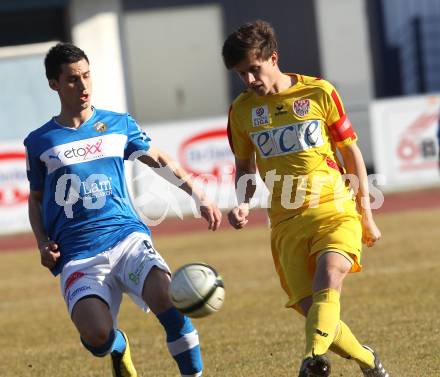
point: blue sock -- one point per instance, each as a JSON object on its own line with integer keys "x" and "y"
{"x": 119, "y": 343}
{"x": 182, "y": 342}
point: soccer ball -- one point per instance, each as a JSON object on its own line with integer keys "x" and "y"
{"x": 197, "y": 290}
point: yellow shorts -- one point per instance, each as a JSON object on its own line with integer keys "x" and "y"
{"x": 298, "y": 241}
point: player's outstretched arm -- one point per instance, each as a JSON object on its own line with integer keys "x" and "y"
{"x": 49, "y": 252}
{"x": 171, "y": 170}
{"x": 354, "y": 164}
{"x": 245, "y": 190}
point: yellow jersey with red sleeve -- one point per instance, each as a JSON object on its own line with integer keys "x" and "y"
{"x": 294, "y": 135}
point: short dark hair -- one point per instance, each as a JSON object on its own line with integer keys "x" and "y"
{"x": 258, "y": 37}
{"x": 62, "y": 53}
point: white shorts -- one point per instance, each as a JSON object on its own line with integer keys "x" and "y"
{"x": 108, "y": 275}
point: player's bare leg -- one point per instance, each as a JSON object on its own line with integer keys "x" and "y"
{"x": 155, "y": 290}
{"x": 331, "y": 270}
{"x": 94, "y": 322}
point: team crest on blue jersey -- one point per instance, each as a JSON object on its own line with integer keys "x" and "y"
{"x": 301, "y": 107}
{"x": 100, "y": 126}
{"x": 260, "y": 116}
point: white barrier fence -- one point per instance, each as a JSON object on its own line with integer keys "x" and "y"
{"x": 14, "y": 188}
{"x": 405, "y": 153}
{"x": 404, "y": 138}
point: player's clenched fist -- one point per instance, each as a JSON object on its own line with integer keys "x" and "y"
{"x": 49, "y": 254}
{"x": 370, "y": 231}
{"x": 238, "y": 217}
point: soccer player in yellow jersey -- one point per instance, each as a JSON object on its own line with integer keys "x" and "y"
{"x": 290, "y": 126}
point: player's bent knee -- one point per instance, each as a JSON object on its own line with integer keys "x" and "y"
{"x": 337, "y": 272}
{"x": 333, "y": 278}
{"x": 331, "y": 270}
{"x": 99, "y": 345}
{"x": 329, "y": 278}
{"x": 96, "y": 337}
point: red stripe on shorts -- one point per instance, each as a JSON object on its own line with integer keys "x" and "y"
{"x": 72, "y": 278}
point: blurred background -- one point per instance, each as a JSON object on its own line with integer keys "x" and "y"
{"x": 161, "y": 61}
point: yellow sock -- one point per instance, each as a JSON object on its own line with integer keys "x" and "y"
{"x": 322, "y": 321}
{"x": 347, "y": 346}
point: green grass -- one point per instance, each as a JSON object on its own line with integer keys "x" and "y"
{"x": 391, "y": 305}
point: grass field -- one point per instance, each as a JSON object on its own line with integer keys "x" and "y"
{"x": 392, "y": 305}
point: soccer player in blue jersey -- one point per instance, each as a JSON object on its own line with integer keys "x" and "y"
{"x": 85, "y": 225}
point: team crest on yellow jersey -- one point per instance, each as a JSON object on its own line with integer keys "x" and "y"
{"x": 260, "y": 116}
{"x": 100, "y": 127}
{"x": 301, "y": 107}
